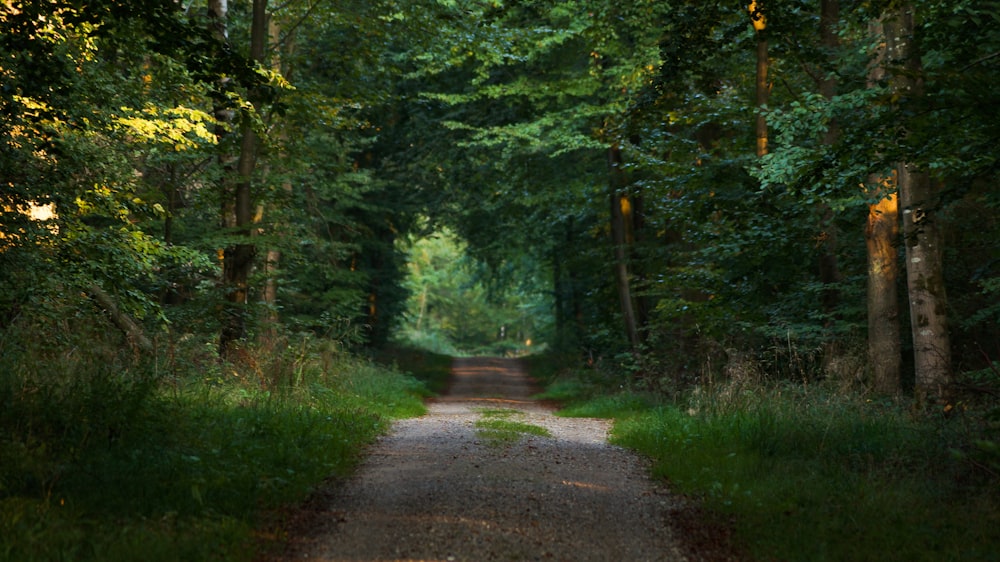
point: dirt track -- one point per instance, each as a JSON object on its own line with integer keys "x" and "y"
{"x": 435, "y": 490}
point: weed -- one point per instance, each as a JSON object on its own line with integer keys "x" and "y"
{"x": 498, "y": 429}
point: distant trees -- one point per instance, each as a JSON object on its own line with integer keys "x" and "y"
{"x": 751, "y": 184}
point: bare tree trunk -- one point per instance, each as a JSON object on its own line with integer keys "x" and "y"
{"x": 885, "y": 346}
{"x": 881, "y": 236}
{"x": 620, "y": 243}
{"x": 272, "y": 259}
{"x": 238, "y": 258}
{"x": 921, "y": 231}
{"x": 763, "y": 90}
{"x": 829, "y": 268}
{"x": 122, "y": 321}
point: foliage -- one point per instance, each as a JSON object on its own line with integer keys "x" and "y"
{"x": 176, "y": 461}
{"x": 812, "y": 473}
{"x": 455, "y": 308}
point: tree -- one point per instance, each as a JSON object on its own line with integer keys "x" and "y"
{"x": 882, "y": 239}
{"x": 920, "y": 200}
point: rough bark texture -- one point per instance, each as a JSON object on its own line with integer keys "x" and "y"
{"x": 925, "y": 286}
{"x": 921, "y": 230}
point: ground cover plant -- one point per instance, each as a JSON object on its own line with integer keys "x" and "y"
{"x": 808, "y": 472}
{"x": 499, "y": 427}
{"x": 106, "y": 458}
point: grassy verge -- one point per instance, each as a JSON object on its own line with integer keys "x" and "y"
{"x": 809, "y": 474}
{"x": 104, "y": 460}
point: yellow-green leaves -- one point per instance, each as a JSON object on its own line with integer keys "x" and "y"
{"x": 181, "y": 128}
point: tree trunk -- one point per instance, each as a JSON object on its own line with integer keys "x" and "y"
{"x": 881, "y": 236}
{"x": 763, "y": 90}
{"x": 238, "y": 258}
{"x": 272, "y": 260}
{"x": 620, "y": 243}
{"x": 885, "y": 346}
{"x": 921, "y": 230}
{"x": 637, "y": 227}
{"x": 829, "y": 270}
{"x": 122, "y": 321}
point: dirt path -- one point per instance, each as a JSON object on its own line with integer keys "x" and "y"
{"x": 435, "y": 489}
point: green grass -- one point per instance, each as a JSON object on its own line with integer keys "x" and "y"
{"x": 819, "y": 476}
{"x": 498, "y": 428}
{"x": 810, "y": 474}
{"x": 100, "y": 460}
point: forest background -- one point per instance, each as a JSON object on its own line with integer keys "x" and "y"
{"x": 673, "y": 196}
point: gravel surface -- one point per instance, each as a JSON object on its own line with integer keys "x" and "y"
{"x": 433, "y": 489}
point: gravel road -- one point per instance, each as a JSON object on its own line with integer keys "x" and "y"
{"x": 435, "y": 489}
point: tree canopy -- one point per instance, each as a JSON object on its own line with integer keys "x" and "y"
{"x": 600, "y": 162}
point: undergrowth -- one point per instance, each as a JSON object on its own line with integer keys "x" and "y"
{"x": 813, "y": 473}
{"x": 105, "y": 457}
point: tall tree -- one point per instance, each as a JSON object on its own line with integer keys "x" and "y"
{"x": 762, "y": 88}
{"x": 238, "y": 257}
{"x": 621, "y": 214}
{"x": 920, "y": 200}
{"x": 882, "y": 244}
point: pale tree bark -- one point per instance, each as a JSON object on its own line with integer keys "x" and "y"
{"x": 272, "y": 258}
{"x": 922, "y": 237}
{"x": 885, "y": 346}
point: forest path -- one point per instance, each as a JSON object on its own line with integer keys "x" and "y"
{"x": 435, "y": 489}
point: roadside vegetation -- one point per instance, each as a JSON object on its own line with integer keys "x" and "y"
{"x": 181, "y": 456}
{"x": 807, "y": 471}
{"x": 500, "y": 427}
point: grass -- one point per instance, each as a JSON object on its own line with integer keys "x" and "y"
{"x": 815, "y": 474}
{"x": 497, "y": 427}
{"x": 104, "y": 459}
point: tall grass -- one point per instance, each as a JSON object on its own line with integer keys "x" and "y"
{"x": 103, "y": 457}
{"x": 812, "y": 473}
{"x": 819, "y": 475}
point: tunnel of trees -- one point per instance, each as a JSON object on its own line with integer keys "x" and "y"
{"x": 666, "y": 187}
{"x": 213, "y": 213}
